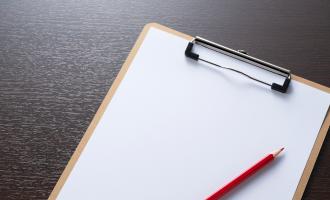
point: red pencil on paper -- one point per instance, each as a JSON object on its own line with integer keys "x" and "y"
{"x": 256, "y": 167}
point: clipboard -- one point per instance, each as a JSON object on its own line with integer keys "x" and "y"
{"x": 307, "y": 170}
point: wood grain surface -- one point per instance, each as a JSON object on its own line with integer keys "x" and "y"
{"x": 58, "y": 58}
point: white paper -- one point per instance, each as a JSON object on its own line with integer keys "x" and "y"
{"x": 177, "y": 129}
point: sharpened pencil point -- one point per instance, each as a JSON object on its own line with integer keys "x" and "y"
{"x": 276, "y": 153}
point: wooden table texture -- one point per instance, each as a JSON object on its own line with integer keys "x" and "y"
{"x": 58, "y": 58}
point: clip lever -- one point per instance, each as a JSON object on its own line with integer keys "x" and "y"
{"x": 241, "y": 56}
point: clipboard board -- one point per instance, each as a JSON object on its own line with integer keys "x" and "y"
{"x": 306, "y": 172}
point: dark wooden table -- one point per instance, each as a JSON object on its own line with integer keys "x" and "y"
{"x": 58, "y": 58}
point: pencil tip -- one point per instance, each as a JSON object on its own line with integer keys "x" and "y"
{"x": 278, "y": 152}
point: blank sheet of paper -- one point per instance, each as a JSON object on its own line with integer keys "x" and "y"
{"x": 177, "y": 129}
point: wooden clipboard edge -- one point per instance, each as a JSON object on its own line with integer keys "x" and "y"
{"x": 312, "y": 158}
{"x": 308, "y": 168}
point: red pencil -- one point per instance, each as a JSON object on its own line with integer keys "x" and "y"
{"x": 256, "y": 167}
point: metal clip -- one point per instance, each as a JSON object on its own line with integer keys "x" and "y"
{"x": 241, "y": 55}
